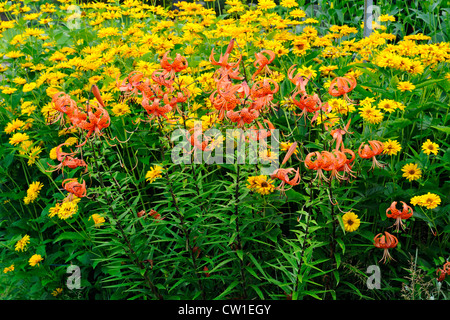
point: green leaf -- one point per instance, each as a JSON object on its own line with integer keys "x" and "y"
{"x": 227, "y": 290}
{"x": 74, "y": 236}
{"x": 429, "y": 83}
{"x": 442, "y": 128}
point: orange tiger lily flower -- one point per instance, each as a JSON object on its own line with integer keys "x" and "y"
{"x": 98, "y": 120}
{"x": 262, "y": 61}
{"x": 342, "y": 86}
{"x": 73, "y": 163}
{"x": 340, "y": 160}
{"x": 386, "y": 241}
{"x": 307, "y": 103}
{"x": 337, "y": 135}
{"x": 398, "y": 215}
{"x": 74, "y": 187}
{"x": 371, "y": 150}
{"x": 283, "y": 175}
{"x": 347, "y": 166}
{"x": 262, "y": 93}
{"x": 128, "y": 85}
{"x": 199, "y": 140}
{"x": 262, "y": 133}
{"x": 334, "y": 162}
{"x": 445, "y": 271}
{"x": 66, "y": 105}
{"x": 61, "y": 157}
{"x": 223, "y": 60}
{"x": 299, "y": 81}
{"x": 225, "y": 98}
{"x": 242, "y": 117}
{"x": 227, "y": 69}
{"x": 67, "y": 159}
{"x": 163, "y": 79}
{"x": 315, "y": 161}
{"x": 178, "y": 64}
{"x": 158, "y": 107}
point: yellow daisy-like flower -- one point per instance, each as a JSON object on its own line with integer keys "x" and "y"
{"x": 18, "y": 138}
{"x": 405, "y": 86}
{"x": 121, "y": 109}
{"x": 266, "y": 4}
{"x": 22, "y": 243}
{"x": 27, "y": 108}
{"x": 371, "y": 114}
{"x": 67, "y": 210}
{"x": 429, "y": 200}
{"x": 260, "y": 184}
{"x": 288, "y": 3}
{"x": 33, "y": 192}
{"x": 430, "y": 147}
{"x": 415, "y": 200}
{"x": 387, "y": 105}
{"x": 8, "y": 269}
{"x": 35, "y": 260}
{"x": 14, "y": 54}
{"x": 351, "y": 221}
{"x": 29, "y": 86}
{"x": 13, "y": 126}
{"x": 98, "y": 219}
{"x": 284, "y": 146}
{"x": 154, "y": 173}
{"x": 391, "y": 147}
{"x": 53, "y": 211}
{"x": 411, "y": 172}
{"x": 9, "y": 90}
{"x": 71, "y": 141}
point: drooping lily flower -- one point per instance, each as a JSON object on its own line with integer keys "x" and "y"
{"x": 337, "y": 135}
{"x": 283, "y": 175}
{"x": 74, "y": 187}
{"x": 370, "y": 151}
{"x": 299, "y": 81}
{"x": 386, "y": 241}
{"x": 398, "y": 215}
{"x": 341, "y": 86}
{"x": 262, "y": 61}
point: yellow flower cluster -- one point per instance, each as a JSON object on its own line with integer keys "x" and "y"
{"x": 429, "y": 200}
{"x": 66, "y": 209}
{"x": 33, "y": 192}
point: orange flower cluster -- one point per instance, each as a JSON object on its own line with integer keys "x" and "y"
{"x": 335, "y": 162}
{"x": 389, "y": 241}
{"x": 92, "y": 122}
{"x": 306, "y": 102}
{"x": 228, "y": 96}
{"x": 160, "y": 94}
